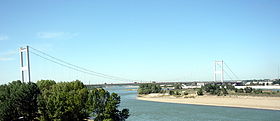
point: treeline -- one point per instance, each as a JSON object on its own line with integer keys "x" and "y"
{"x": 149, "y": 88}
{"x": 276, "y": 81}
{"x": 47, "y": 100}
{"x": 216, "y": 89}
{"x": 249, "y": 90}
{"x": 219, "y": 90}
{"x": 210, "y": 88}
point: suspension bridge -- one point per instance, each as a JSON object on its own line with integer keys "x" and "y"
{"x": 220, "y": 70}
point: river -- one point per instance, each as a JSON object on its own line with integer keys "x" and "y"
{"x": 156, "y": 111}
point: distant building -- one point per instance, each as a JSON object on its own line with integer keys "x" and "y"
{"x": 237, "y": 84}
{"x": 264, "y": 83}
{"x": 200, "y": 84}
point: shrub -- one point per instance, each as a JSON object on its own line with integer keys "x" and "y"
{"x": 171, "y": 92}
{"x": 200, "y": 92}
{"x": 177, "y": 93}
{"x": 223, "y": 91}
{"x": 257, "y": 91}
{"x": 240, "y": 90}
{"x": 177, "y": 86}
{"x": 248, "y": 89}
{"x": 230, "y": 87}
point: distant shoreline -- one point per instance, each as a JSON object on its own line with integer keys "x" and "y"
{"x": 268, "y": 103}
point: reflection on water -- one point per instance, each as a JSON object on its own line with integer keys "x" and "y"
{"x": 154, "y": 111}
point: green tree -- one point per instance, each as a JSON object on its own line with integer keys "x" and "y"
{"x": 212, "y": 88}
{"x": 7, "y": 110}
{"x": 223, "y": 91}
{"x": 215, "y": 89}
{"x": 18, "y": 100}
{"x": 64, "y": 101}
{"x": 230, "y": 87}
{"x": 105, "y": 106}
{"x": 149, "y": 88}
{"x": 276, "y": 81}
{"x": 45, "y": 84}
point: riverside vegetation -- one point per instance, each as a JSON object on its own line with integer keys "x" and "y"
{"x": 208, "y": 89}
{"x": 47, "y": 100}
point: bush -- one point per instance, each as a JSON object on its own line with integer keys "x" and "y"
{"x": 240, "y": 90}
{"x": 186, "y": 93}
{"x": 163, "y": 91}
{"x": 223, "y": 91}
{"x": 248, "y": 89}
{"x": 171, "y": 92}
{"x": 177, "y": 86}
{"x": 230, "y": 87}
{"x": 177, "y": 93}
{"x": 257, "y": 91}
{"x": 200, "y": 92}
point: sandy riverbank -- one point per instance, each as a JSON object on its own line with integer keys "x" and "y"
{"x": 271, "y": 103}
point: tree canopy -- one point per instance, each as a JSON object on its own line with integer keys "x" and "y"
{"x": 276, "y": 81}
{"x": 18, "y": 101}
{"x": 177, "y": 86}
{"x": 105, "y": 106}
{"x": 149, "y": 88}
{"x": 64, "y": 101}
{"x": 215, "y": 89}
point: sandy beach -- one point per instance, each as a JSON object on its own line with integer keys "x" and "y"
{"x": 270, "y": 103}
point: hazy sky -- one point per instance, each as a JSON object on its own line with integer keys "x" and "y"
{"x": 143, "y": 39}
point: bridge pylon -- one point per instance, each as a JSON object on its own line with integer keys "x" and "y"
{"x": 24, "y": 67}
{"x": 219, "y": 71}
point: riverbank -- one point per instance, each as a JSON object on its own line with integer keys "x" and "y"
{"x": 270, "y": 103}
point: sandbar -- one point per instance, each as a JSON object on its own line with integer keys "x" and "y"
{"x": 269, "y": 103}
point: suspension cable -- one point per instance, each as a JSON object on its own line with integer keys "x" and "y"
{"x": 75, "y": 67}
{"x": 232, "y": 72}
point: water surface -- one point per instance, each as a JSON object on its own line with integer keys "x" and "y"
{"x": 156, "y": 111}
